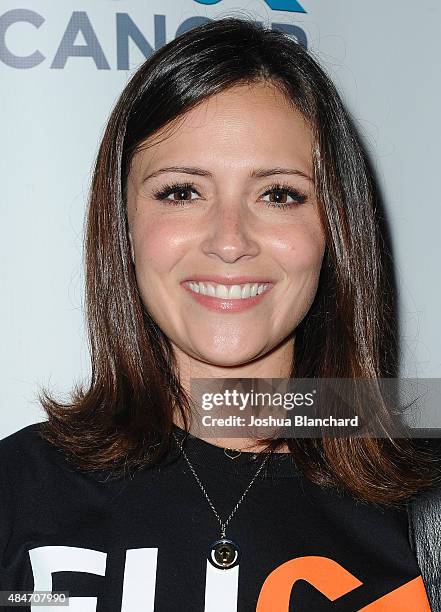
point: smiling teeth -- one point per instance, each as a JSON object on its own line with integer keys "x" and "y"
{"x": 229, "y": 292}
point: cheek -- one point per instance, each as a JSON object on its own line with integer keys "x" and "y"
{"x": 300, "y": 249}
{"x": 300, "y": 253}
{"x": 159, "y": 245}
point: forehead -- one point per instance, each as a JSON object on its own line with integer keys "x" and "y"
{"x": 239, "y": 126}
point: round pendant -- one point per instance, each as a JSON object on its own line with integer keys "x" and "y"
{"x": 224, "y": 554}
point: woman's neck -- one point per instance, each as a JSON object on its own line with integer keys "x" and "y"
{"x": 277, "y": 363}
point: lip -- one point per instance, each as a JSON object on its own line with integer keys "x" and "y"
{"x": 226, "y": 305}
{"x": 228, "y": 280}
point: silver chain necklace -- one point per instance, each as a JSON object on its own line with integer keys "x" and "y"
{"x": 224, "y": 553}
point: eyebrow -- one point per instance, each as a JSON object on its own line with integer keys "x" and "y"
{"x": 258, "y": 173}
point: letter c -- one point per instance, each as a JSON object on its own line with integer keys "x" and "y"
{"x": 6, "y": 20}
{"x": 324, "y": 574}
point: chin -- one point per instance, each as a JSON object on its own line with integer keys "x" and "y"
{"x": 228, "y": 358}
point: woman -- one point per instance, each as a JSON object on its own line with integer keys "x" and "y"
{"x": 229, "y": 160}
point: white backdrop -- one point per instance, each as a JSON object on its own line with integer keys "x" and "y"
{"x": 62, "y": 66}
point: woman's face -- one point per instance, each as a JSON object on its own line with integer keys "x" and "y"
{"x": 227, "y": 203}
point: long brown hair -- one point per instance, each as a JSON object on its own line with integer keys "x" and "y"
{"x": 123, "y": 418}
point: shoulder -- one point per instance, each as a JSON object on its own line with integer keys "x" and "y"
{"x": 24, "y": 440}
{"x": 431, "y": 445}
{"x": 24, "y": 454}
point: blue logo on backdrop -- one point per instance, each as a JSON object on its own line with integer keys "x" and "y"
{"x": 127, "y": 33}
{"x": 291, "y": 6}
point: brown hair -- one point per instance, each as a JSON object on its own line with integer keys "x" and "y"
{"x": 123, "y": 419}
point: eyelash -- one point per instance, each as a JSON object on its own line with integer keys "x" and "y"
{"x": 280, "y": 187}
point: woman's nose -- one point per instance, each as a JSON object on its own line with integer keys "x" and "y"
{"x": 229, "y": 235}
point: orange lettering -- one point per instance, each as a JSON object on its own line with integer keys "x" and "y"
{"x": 333, "y": 581}
{"x": 324, "y": 574}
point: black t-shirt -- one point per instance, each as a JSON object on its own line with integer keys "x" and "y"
{"x": 141, "y": 543}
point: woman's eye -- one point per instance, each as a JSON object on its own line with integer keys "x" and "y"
{"x": 281, "y": 194}
{"x": 183, "y": 191}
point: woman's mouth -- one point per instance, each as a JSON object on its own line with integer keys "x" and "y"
{"x": 231, "y": 298}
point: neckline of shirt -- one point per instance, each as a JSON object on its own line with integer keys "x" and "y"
{"x": 209, "y": 456}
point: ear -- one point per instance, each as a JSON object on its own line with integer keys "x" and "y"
{"x": 132, "y": 252}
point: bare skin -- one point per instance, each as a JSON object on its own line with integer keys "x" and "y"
{"x": 228, "y": 224}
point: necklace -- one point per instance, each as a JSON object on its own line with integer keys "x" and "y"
{"x": 235, "y": 456}
{"x": 223, "y": 553}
